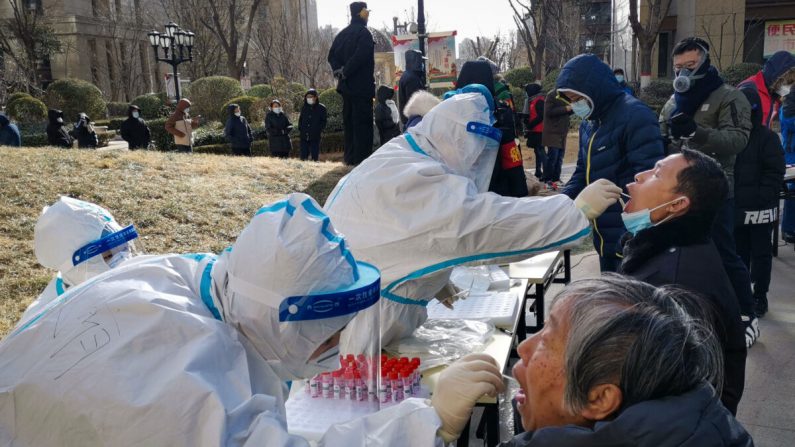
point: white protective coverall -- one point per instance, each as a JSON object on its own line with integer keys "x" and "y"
{"x": 194, "y": 350}
{"x": 419, "y": 206}
{"x": 66, "y": 227}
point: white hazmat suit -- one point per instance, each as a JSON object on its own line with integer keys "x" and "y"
{"x": 70, "y": 226}
{"x": 194, "y": 350}
{"x": 419, "y": 206}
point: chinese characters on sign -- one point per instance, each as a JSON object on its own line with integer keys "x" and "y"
{"x": 442, "y": 71}
{"x": 779, "y": 35}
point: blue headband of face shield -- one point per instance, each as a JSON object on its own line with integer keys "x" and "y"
{"x": 474, "y": 88}
{"x": 104, "y": 244}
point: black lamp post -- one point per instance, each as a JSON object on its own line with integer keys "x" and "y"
{"x": 173, "y": 40}
{"x": 421, "y": 26}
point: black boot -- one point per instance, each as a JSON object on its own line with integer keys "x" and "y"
{"x": 760, "y": 305}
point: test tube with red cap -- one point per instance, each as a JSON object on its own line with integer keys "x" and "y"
{"x": 397, "y": 386}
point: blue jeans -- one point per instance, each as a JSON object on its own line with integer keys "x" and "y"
{"x": 554, "y": 164}
{"x": 310, "y": 147}
{"x": 723, "y": 237}
{"x": 788, "y": 215}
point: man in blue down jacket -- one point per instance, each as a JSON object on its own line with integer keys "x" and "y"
{"x": 619, "y": 137}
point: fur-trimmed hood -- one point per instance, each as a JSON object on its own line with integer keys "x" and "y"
{"x": 420, "y": 104}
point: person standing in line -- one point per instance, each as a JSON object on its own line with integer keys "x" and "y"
{"x": 9, "y": 132}
{"x": 710, "y": 116}
{"x": 238, "y": 132}
{"x": 387, "y": 118}
{"x": 181, "y": 125}
{"x": 352, "y": 60}
{"x": 311, "y": 124}
{"x": 278, "y": 127}
{"x": 619, "y": 74}
{"x": 84, "y": 132}
{"x": 411, "y": 81}
{"x": 134, "y": 129}
{"x": 57, "y": 135}
{"x": 557, "y": 116}
{"x": 773, "y": 82}
{"x": 534, "y": 128}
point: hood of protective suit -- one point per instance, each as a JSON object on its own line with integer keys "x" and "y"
{"x": 65, "y": 227}
{"x": 287, "y": 276}
{"x": 476, "y": 72}
{"x": 384, "y": 93}
{"x": 588, "y": 76}
{"x": 775, "y": 67}
{"x": 414, "y": 60}
{"x": 449, "y": 134}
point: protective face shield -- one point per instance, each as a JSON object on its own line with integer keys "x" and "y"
{"x": 685, "y": 78}
{"x": 640, "y": 220}
{"x": 460, "y": 133}
{"x": 81, "y": 240}
{"x": 293, "y": 285}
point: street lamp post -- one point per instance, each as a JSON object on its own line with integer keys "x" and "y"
{"x": 174, "y": 40}
{"x": 421, "y": 25}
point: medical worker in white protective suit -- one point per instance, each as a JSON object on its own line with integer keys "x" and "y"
{"x": 419, "y": 206}
{"x": 79, "y": 240}
{"x": 195, "y": 350}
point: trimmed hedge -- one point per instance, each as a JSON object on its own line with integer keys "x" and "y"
{"x": 251, "y": 107}
{"x": 657, "y": 93}
{"x": 549, "y": 80}
{"x": 331, "y": 142}
{"x": 27, "y": 110}
{"x": 112, "y": 123}
{"x": 117, "y": 109}
{"x": 264, "y": 91}
{"x": 74, "y": 96}
{"x": 40, "y": 139}
{"x": 208, "y": 96}
{"x": 519, "y": 77}
{"x": 16, "y": 95}
{"x": 740, "y": 72}
{"x": 333, "y": 102}
{"x": 150, "y": 105}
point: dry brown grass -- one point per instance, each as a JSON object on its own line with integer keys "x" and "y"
{"x": 178, "y": 203}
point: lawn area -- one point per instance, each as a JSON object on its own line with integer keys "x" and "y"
{"x": 178, "y": 202}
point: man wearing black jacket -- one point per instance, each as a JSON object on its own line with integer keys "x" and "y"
{"x": 411, "y": 81}
{"x": 352, "y": 59}
{"x": 758, "y": 175}
{"x": 669, "y": 219}
{"x": 311, "y": 124}
{"x": 57, "y": 135}
{"x": 134, "y": 130}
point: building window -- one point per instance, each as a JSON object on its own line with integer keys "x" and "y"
{"x": 664, "y": 63}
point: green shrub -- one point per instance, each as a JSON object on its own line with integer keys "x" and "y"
{"x": 519, "y": 77}
{"x": 162, "y": 140}
{"x": 657, "y": 93}
{"x": 74, "y": 96}
{"x": 549, "y": 80}
{"x": 112, "y": 123}
{"x": 35, "y": 139}
{"x": 261, "y": 91}
{"x": 333, "y": 102}
{"x": 27, "y": 110}
{"x": 208, "y": 96}
{"x": 518, "y": 98}
{"x": 150, "y": 105}
{"x": 16, "y": 95}
{"x": 117, "y": 109}
{"x": 740, "y": 72}
{"x": 331, "y": 142}
{"x": 290, "y": 94}
{"x": 251, "y": 107}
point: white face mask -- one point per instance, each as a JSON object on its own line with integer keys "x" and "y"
{"x": 237, "y": 113}
{"x": 187, "y": 109}
{"x": 59, "y": 120}
{"x": 135, "y": 115}
{"x": 310, "y": 101}
{"x": 784, "y": 90}
{"x": 277, "y": 110}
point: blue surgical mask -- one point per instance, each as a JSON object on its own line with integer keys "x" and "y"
{"x": 640, "y": 220}
{"x": 581, "y": 108}
{"x": 620, "y": 78}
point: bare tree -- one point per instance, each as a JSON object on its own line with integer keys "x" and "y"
{"x": 725, "y": 37}
{"x": 207, "y": 52}
{"x": 225, "y": 19}
{"x": 530, "y": 18}
{"x": 312, "y": 59}
{"x": 26, "y": 38}
{"x": 646, "y": 32}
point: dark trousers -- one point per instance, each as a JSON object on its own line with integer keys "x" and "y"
{"x": 723, "y": 237}
{"x": 357, "y": 118}
{"x": 241, "y": 151}
{"x": 534, "y": 141}
{"x": 183, "y": 148}
{"x": 756, "y": 251}
{"x": 788, "y": 215}
{"x": 609, "y": 263}
{"x": 554, "y": 164}
{"x": 310, "y": 147}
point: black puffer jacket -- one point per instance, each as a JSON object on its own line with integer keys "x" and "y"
{"x": 84, "y": 132}
{"x": 387, "y": 128}
{"x": 278, "y": 127}
{"x": 57, "y": 135}
{"x": 411, "y": 81}
{"x": 693, "y": 419}
{"x": 135, "y": 131}
{"x": 353, "y": 50}
{"x": 237, "y": 130}
{"x": 313, "y": 118}
{"x": 758, "y": 171}
{"x": 681, "y": 253}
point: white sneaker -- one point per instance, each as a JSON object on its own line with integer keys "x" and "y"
{"x": 751, "y": 330}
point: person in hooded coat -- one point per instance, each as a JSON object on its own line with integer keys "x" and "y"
{"x": 534, "y": 128}
{"x": 311, "y": 124}
{"x": 429, "y": 187}
{"x": 758, "y": 175}
{"x": 238, "y": 132}
{"x": 619, "y": 137}
{"x": 57, "y": 135}
{"x": 411, "y": 81}
{"x": 181, "y": 125}
{"x": 134, "y": 129}
{"x": 84, "y": 132}
{"x": 195, "y": 349}
{"x": 508, "y": 178}
{"x": 278, "y": 127}
{"x": 9, "y": 132}
{"x": 387, "y": 118}
{"x": 622, "y": 81}
{"x": 557, "y": 115}
{"x": 772, "y": 83}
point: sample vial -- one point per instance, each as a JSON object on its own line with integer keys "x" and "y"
{"x": 338, "y": 385}
{"x": 350, "y": 386}
{"x": 384, "y": 395}
{"x": 408, "y": 382}
{"x": 326, "y": 386}
{"x": 314, "y": 386}
{"x": 397, "y": 386}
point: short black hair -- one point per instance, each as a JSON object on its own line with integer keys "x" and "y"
{"x": 704, "y": 183}
{"x": 690, "y": 44}
{"x": 618, "y": 71}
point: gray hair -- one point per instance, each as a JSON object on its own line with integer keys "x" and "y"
{"x": 652, "y": 342}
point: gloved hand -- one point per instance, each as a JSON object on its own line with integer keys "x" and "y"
{"x": 597, "y": 197}
{"x": 458, "y": 389}
{"x": 682, "y": 126}
{"x": 450, "y": 294}
{"x": 338, "y": 74}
